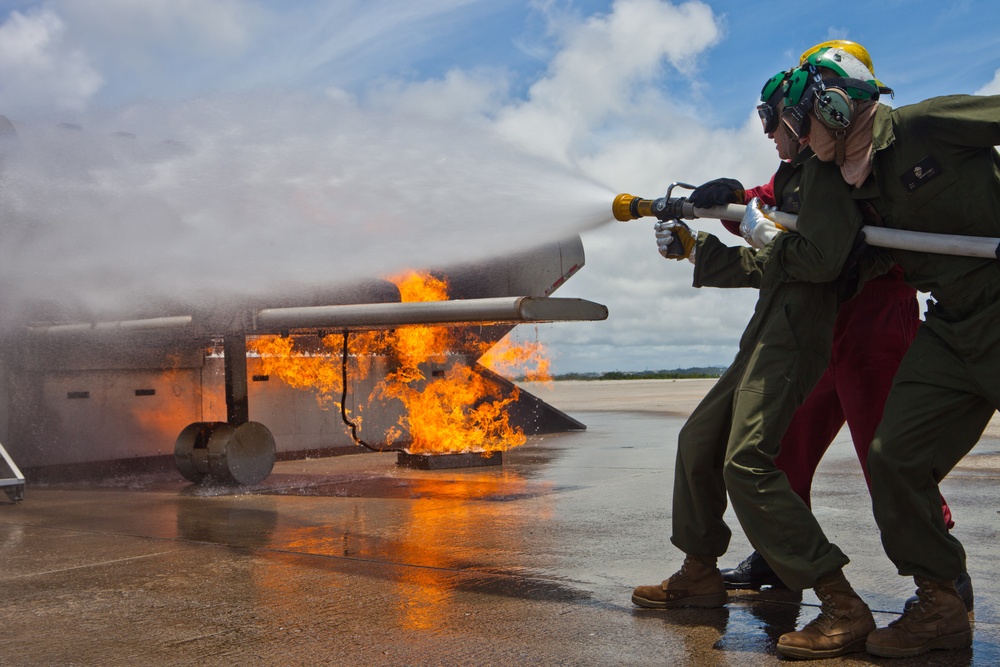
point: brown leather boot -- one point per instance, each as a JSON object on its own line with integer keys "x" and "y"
{"x": 843, "y": 623}
{"x": 938, "y": 620}
{"x": 697, "y": 584}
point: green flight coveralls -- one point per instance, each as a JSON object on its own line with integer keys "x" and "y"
{"x": 936, "y": 170}
{"x": 731, "y": 439}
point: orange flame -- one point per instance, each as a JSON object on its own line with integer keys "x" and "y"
{"x": 528, "y": 359}
{"x": 456, "y": 409}
{"x": 298, "y": 370}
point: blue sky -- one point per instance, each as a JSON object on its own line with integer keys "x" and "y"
{"x": 157, "y": 48}
{"x": 631, "y": 94}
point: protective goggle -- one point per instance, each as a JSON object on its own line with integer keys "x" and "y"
{"x": 797, "y": 120}
{"x": 770, "y": 96}
{"x": 768, "y": 117}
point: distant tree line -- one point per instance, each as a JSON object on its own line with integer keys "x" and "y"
{"x": 676, "y": 374}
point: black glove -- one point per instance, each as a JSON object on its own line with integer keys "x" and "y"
{"x": 719, "y": 192}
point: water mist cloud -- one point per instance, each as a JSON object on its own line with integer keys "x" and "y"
{"x": 263, "y": 195}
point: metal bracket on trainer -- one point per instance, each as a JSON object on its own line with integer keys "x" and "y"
{"x": 13, "y": 482}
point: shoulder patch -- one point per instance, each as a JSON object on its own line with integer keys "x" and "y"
{"x": 920, "y": 174}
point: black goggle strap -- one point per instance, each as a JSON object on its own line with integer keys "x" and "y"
{"x": 798, "y": 120}
{"x": 800, "y": 112}
{"x": 800, "y": 83}
{"x": 869, "y": 91}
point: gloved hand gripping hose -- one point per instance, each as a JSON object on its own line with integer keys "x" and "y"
{"x": 626, "y": 207}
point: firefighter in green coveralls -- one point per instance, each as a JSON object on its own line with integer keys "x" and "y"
{"x": 929, "y": 167}
{"x": 730, "y": 441}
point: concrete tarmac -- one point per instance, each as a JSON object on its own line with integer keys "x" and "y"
{"x": 353, "y": 560}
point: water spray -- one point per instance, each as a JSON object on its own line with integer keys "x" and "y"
{"x": 132, "y": 212}
{"x": 626, "y": 207}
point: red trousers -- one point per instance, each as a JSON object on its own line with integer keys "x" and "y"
{"x": 872, "y": 333}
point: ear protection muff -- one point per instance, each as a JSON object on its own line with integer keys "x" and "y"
{"x": 831, "y": 101}
{"x": 834, "y": 108}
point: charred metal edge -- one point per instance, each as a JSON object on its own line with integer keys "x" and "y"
{"x": 448, "y": 461}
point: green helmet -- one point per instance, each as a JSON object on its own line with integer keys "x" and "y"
{"x": 774, "y": 85}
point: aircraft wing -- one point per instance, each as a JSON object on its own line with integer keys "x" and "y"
{"x": 358, "y": 317}
{"x": 496, "y": 310}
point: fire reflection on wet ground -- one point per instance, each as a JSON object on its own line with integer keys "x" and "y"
{"x": 462, "y": 490}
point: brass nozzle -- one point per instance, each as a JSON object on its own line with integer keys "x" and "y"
{"x": 621, "y": 207}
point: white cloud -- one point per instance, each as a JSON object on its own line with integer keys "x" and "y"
{"x": 40, "y": 67}
{"x": 603, "y": 71}
{"x": 608, "y": 105}
{"x": 353, "y": 42}
{"x": 204, "y": 26}
{"x": 991, "y": 88}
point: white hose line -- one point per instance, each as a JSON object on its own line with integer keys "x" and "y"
{"x": 883, "y": 237}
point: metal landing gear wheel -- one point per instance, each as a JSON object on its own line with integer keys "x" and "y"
{"x": 242, "y": 454}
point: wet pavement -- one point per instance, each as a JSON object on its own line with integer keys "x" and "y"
{"x": 353, "y": 560}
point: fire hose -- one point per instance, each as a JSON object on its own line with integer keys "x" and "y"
{"x": 350, "y": 423}
{"x": 627, "y": 207}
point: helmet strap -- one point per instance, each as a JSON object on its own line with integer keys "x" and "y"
{"x": 840, "y": 150}
{"x": 863, "y": 89}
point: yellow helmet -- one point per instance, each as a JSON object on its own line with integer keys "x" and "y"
{"x": 855, "y": 49}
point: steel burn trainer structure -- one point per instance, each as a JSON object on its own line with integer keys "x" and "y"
{"x": 142, "y": 387}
